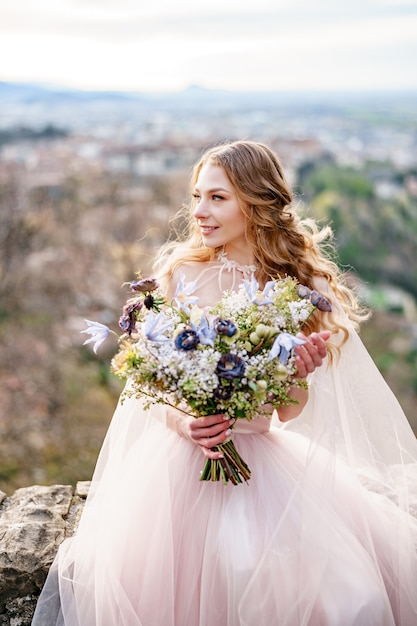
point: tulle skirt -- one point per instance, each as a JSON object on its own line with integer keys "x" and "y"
{"x": 302, "y": 543}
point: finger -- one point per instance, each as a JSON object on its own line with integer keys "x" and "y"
{"x": 301, "y": 368}
{"x": 208, "y": 441}
{"x": 203, "y": 432}
{"x": 307, "y": 360}
{"x": 319, "y": 344}
{"x": 197, "y": 430}
{"x": 308, "y": 354}
{"x": 313, "y": 350}
{"x": 211, "y": 453}
{"x": 209, "y": 420}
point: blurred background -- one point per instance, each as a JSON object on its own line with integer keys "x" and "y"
{"x": 105, "y": 106}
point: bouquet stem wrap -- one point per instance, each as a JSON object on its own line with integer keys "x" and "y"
{"x": 229, "y": 468}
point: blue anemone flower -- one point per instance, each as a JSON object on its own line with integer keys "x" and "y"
{"x": 225, "y": 327}
{"x": 186, "y": 340}
{"x": 230, "y": 366}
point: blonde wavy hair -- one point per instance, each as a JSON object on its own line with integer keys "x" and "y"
{"x": 281, "y": 242}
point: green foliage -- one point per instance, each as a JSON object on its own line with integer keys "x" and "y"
{"x": 23, "y": 133}
{"x": 375, "y": 236}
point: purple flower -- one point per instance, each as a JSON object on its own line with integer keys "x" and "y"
{"x": 127, "y": 321}
{"x": 320, "y": 301}
{"x": 230, "y": 366}
{"x": 223, "y": 392}
{"x": 282, "y": 347}
{"x": 186, "y": 340}
{"x": 149, "y": 301}
{"x": 316, "y": 298}
{"x": 99, "y": 333}
{"x": 225, "y": 327}
{"x": 144, "y": 285}
{"x": 303, "y": 292}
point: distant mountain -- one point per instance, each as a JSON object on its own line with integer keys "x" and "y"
{"x": 11, "y": 92}
{"x": 32, "y": 92}
{"x": 32, "y": 104}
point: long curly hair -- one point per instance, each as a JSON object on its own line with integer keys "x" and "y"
{"x": 281, "y": 243}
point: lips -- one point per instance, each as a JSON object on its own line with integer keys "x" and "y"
{"x": 206, "y": 230}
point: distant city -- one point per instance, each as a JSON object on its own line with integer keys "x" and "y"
{"x": 152, "y": 134}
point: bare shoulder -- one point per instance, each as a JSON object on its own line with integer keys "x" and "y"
{"x": 190, "y": 270}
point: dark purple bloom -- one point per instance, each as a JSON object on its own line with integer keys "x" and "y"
{"x": 186, "y": 340}
{"x": 144, "y": 285}
{"x": 128, "y": 319}
{"x": 149, "y": 301}
{"x": 223, "y": 392}
{"x": 320, "y": 301}
{"x": 230, "y": 366}
{"x": 127, "y": 323}
{"x": 225, "y": 327}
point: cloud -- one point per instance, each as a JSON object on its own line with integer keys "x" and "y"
{"x": 126, "y": 44}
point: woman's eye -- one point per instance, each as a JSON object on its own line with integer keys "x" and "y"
{"x": 216, "y": 197}
{"x": 196, "y": 196}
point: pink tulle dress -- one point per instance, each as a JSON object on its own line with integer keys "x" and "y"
{"x": 323, "y": 534}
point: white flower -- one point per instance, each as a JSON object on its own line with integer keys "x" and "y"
{"x": 300, "y": 311}
{"x": 99, "y": 333}
{"x": 252, "y": 289}
{"x": 282, "y": 347}
{"x": 183, "y": 293}
{"x": 155, "y": 326}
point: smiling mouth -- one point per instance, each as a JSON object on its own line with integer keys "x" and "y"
{"x": 208, "y": 229}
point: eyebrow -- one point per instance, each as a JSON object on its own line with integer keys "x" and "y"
{"x": 214, "y": 190}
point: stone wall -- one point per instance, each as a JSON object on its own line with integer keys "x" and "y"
{"x": 33, "y": 522}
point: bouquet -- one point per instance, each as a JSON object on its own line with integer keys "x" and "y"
{"x": 235, "y": 358}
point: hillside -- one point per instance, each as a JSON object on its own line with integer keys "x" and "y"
{"x": 77, "y": 223}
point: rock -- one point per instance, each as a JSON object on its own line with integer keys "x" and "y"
{"x": 33, "y": 522}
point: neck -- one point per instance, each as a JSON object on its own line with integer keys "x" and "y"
{"x": 234, "y": 264}
{"x": 239, "y": 256}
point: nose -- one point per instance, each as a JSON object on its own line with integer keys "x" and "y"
{"x": 201, "y": 209}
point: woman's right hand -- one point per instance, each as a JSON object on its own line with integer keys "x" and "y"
{"x": 206, "y": 432}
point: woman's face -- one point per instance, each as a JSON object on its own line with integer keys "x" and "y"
{"x": 218, "y": 213}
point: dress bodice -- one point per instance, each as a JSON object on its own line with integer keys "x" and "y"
{"x": 215, "y": 278}
{"x": 257, "y": 425}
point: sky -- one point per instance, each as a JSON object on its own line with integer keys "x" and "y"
{"x": 167, "y": 45}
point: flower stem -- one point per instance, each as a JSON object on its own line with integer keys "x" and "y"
{"x": 229, "y": 468}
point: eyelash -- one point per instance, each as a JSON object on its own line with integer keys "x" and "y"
{"x": 213, "y": 197}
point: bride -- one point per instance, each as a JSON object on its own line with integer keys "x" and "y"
{"x": 323, "y": 533}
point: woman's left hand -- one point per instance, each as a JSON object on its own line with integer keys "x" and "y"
{"x": 311, "y": 354}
